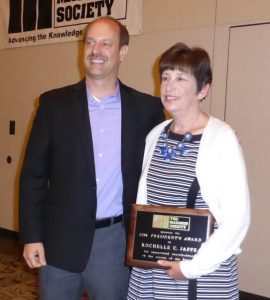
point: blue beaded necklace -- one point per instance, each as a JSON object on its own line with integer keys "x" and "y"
{"x": 170, "y": 152}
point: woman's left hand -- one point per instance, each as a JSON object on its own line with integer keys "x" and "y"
{"x": 172, "y": 269}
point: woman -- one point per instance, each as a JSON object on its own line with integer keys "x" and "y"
{"x": 194, "y": 146}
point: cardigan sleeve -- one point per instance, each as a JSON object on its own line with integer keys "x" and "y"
{"x": 222, "y": 176}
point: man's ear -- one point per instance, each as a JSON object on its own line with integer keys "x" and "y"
{"x": 123, "y": 52}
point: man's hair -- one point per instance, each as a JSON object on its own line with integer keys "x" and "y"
{"x": 189, "y": 60}
{"x": 123, "y": 32}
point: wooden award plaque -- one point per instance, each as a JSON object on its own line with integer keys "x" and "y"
{"x": 164, "y": 232}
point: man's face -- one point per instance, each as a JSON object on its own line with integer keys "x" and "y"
{"x": 102, "y": 55}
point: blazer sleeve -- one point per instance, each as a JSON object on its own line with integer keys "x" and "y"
{"x": 34, "y": 178}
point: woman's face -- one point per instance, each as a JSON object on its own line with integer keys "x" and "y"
{"x": 179, "y": 91}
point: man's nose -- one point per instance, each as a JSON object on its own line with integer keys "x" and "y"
{"x": 96, "y": 48}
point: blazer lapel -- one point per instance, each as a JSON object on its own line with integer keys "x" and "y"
{"x": 80, "y": 108}
{"x": 128, "y": 107}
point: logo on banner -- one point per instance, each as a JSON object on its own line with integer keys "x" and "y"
{"x": 32, "y": 21}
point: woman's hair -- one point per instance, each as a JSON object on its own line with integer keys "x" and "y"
{"x": 123, "y": 32}
{"x": 189, "y": 60}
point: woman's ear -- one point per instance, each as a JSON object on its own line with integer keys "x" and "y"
{"x": 204, "y": 91}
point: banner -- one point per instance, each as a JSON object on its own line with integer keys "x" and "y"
{"x": 35, "y": 22}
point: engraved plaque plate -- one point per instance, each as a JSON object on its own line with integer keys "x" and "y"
{"x": 164, "y": 232}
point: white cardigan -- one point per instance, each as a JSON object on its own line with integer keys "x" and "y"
{"x": 221, "y": 173}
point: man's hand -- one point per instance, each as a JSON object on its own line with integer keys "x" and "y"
{"x": 172, "y": 268}
{"x": 34, "y": 255}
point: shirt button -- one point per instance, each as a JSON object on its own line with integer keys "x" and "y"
{"x": 101, "y": 130}
{"x": 100, "y": 155}
{"x": 98, "y": 180}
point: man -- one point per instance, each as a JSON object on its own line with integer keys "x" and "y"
{"x": 81, "y": 172}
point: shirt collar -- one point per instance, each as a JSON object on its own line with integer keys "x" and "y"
{"x": 94, "y": 101}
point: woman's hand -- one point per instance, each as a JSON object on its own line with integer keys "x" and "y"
{"x": 172, "y": 269}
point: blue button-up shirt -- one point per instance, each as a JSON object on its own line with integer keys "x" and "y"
{"x": 105, "y": 120}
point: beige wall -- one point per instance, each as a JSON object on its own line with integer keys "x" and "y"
{"x": 26, "y": 72}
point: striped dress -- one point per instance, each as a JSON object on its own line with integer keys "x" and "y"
{"x": 168, "y": 183}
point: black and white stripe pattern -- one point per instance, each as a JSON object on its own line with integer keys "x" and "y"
{"x": 168, "y": 183}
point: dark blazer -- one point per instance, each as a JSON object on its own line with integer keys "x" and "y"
{"x": 58, "y": 185}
